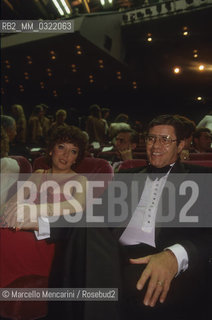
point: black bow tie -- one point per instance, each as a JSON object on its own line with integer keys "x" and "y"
{"x": 155, "y": 172}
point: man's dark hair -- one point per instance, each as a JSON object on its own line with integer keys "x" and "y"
{"x": 199, "y": 131}
{"x": 170, "y": 120}
{"x": 189, "y": 125}
{"x": 70, "y": 134}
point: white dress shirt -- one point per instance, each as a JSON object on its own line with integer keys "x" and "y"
{"x": 141, "y": 228}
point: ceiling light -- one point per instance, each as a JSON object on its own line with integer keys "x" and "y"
{"x": 201, "y": 67}
{"x": 59, "y": 9}
{"x": 199, "y": 98}
{"x": 67, "y": 10}
{"x": 177, "y": 70}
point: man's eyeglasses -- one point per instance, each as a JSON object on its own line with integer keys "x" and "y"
{"x": 164, "y": 140}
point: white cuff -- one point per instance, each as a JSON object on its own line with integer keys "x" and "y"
{"x": 43, "y": 228}
{"x": 181, "y": 256}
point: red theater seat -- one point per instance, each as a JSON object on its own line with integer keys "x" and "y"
{"x": 24, "y": 164}
{"x": 134, "y": 163}
{"x": 204, "y": 163}
{"x": 201, "y": 156}
{"x": 27, "y": 261}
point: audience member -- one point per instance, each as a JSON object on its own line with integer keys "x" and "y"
{"x": 189, "y": 129}
{"x": 35, "y": 130}
{"x": 125, "y": 142}
{"x": 202, "y": 140}
{"x": 105, "y": 116}
{"x": 159, "y": 263}
{"x": 45, "y": 122}
{"x": 9, "y": 168}
{"x": 9, "y": 125}
{"x": 95, "y": 126}
{"x": 120, "y": 122}
{"x": 206, "y": 122}
{"x": 61, "y": 116}
{"x": 66, "y": 148}
{"x": 18, "y": 113}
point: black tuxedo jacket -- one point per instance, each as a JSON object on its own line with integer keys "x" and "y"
{"x": 93, "y": 257}
{"x": 195, "y": 237}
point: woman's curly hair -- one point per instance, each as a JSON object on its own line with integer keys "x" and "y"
{"x": 70, "y": 134}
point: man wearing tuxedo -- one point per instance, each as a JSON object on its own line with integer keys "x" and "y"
{"x": 163, "y": 269}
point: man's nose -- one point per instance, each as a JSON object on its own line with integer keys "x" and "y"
{"x": 157, "y": 142}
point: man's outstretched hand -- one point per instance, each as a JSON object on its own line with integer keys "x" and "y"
{"x": 161, "y": 268}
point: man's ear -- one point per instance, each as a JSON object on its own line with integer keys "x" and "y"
{"x": 50, "y": 153}
{"x": 181, "y": 145}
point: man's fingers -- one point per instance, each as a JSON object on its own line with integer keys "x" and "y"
{"x": 155, "y": 294}
{"x": 143, "y": 279}
{"x": 153, "y": 284}
{"x": 140, "y": 260}
{"x": 165, "y": 291}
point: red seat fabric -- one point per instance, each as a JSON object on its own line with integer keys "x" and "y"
{"x": 87, "y": 165}
{"x": 40, "y": 163}
{"x": 24, "y": 164}
{"x": 201, "y": 156}
{"x": 26, "y": 262}
{"x": 94, "y": 165}
{"x": 133, "y": 163}
{"x": 204, "y": 163}
{"x": 139, "y": 155}
{"x": 25, "y": 310}
{"x": 23, "y": 255}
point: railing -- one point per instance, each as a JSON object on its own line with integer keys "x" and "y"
{"x": 154, "y": 9}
